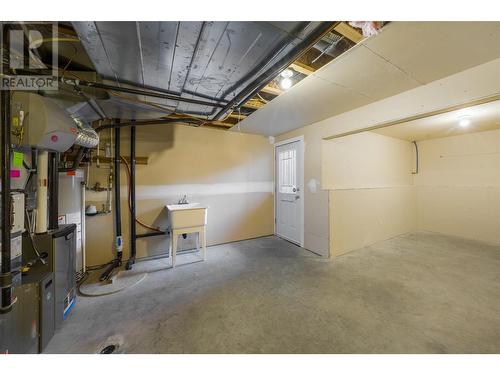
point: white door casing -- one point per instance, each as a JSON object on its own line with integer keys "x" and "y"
{"x": 289, "y": 189}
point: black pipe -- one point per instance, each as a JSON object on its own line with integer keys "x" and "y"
{"x": 118, "y": 214}
{"x": 133, "y": 237}
{"x": 117, "y": 211}
{"x": 82, "y": 151}
{"x": 263, "y": 80}
{"x": 78, "y": 83}
{"x": 106, "y": 274}
{"x": 34, "y": 159}
{"x": 5, "y": 276}
{"x": 151, "y": 234}
{"x": 53, "y": 190}
{"x": 147, "y": 122}
{"x": 159, "y": 89}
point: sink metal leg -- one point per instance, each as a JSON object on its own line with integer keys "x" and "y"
{"x": 175, "y": 236}
{"x": 203, "y": 239}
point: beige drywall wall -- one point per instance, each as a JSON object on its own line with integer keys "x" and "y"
{"x": 458, "y": 186}
{"x": 366, "y": 160}
{"x": 230, "y": 172}
{"x": 471, "y": 84}
{"x": 361, "y": 217}
{"x": 371, "y": 193}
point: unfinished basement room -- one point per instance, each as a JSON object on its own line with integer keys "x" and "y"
{"x": 250, "y": 187}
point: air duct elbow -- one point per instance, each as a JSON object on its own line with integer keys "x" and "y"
{"x": 86, "y": 136}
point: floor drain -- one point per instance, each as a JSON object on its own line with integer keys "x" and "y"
{"x": 108, "y": 349}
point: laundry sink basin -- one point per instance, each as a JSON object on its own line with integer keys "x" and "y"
{"x": 187, "y": 215}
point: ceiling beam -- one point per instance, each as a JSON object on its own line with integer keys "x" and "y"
{"x": 302, "y": 68}
{"x": 343, "y": 28}
{"x": 253, "y": 104}
{"x": 272, "y": 90}
{"x": 220, "y": 124}
{"x": 237, "y": 116}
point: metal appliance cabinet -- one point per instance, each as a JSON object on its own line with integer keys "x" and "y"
{"x": 60, "y": 246}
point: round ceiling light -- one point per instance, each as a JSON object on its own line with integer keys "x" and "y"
{"x": 286, "y": 83}
{"x": 287, "y": 73}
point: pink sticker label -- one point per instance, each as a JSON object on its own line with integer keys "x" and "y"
{"x": 15, "y": 173}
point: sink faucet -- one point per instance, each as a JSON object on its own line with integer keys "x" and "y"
{"x": 184, "y": 200}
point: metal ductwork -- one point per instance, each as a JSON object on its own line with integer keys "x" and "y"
{"x": 205, "y": 69}
{"x": 86, "y": 135}
{"x": 39, "y": 122}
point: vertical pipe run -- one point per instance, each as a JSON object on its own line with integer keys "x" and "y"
{"x": 6, "y": 209}
{"x": 118, "y": 213}
{"x": 53, "y": 187}
{"x": 41, "y": 192}
{"x": 82, "y": 224}
{"x": 416, "y": 157}
{"x": 133, "y": 237}
{"x": 118, "y": 216}
{"x": 5, "y": 277}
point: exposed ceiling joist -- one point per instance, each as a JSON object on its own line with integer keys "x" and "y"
{"x": 272, "y": 90}
{"x": 253, "y": 104}
{"x": 302, "y": 68}
{"x": 220, "y": 124}
{"x": 237, "y": 116}
{"x": 349, "y": 32}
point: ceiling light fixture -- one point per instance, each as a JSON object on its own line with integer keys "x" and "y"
{"x": 287, "y": 73}
{"x": 464, "y": 121}
{"x": 286, "y": 83}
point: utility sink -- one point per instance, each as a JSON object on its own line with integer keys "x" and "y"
{"x": 187, "y": 215}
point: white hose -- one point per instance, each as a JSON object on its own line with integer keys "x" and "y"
{"x": 110, "y": 292}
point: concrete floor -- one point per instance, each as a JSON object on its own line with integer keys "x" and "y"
{"x": 417, "y": 293}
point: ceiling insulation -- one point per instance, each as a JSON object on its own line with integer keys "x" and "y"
{"x": 217, "y": 62}
{"x": 402, "y": 56}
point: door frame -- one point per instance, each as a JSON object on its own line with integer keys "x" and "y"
{"x": 300, "y": 163}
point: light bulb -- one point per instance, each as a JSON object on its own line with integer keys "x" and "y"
{"x": 286, "y": 83}
{"x": 287, "y": 73}
{"x": 464, "y": 122}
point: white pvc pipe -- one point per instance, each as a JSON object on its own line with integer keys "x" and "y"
{"x": 41, "y": 194}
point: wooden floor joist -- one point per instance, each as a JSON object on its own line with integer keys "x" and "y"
{"x": 253, "y": 104}
{"x": 302, "y": 68}
{"x": 272, "y": 90}
{"x": 349, "y": 32}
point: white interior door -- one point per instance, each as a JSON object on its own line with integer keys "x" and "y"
{"x": 289, "y": 192}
